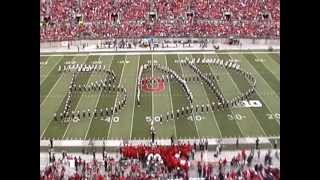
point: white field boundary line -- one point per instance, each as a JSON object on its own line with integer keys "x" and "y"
{"x": 97, "y": 101}
{"x": 115, "y": 102}
{"x": 168, "y": 52}
{"x": 214, "y": 117}
{"x": 194, "y": 119}
{"x": 134, "y": 98}
{"x": 46, "y": 98}
{"x": 174, "y": 123}
{"x": 275, "y": 94}
{"x": 237, "y": 88}
{"x": 50, "y": 70}
{"x": 79, "y": 102}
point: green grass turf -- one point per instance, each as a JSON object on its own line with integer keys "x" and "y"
{"x": 184, "y": 127}
{"x": 263, "y": 89}
{"x": 52, "y": 77}
{"x": 122, "y": 129}
{"x": 132, "y": 119}
{"x": 269, "y": 127}
{"x": 140, "y": 129}
{"x": 228, "y": 128}
{"x": 163, "y": 104}
{"x": 99, "y": 129}
{"x": 207, "y": 119}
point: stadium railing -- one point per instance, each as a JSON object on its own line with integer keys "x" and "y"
{"x": 244, "y": 41}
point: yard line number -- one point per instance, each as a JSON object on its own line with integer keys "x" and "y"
{"x": 70, "y": 62}
{"x": 43, "y": 63}
{"x": 273, "y": 116}
{"x": 259, "y": 60}
{"x": 114, "y": 119}
{"x": 97, "y": 62}
{"x": 235, "y": 117}
{"x": 190, "y": 118}
{"x": 76, "y": 119}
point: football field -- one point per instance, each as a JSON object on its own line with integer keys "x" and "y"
{"x": 133, "y": 120}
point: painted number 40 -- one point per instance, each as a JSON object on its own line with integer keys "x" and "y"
{"x": 196, "y": 117}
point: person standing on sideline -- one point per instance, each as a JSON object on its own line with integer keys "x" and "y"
{"x": 237, "y": 143}
{"x": 206, "y": 144}
{"x": 51, "y": 143}
{"x": 171, "y": 140}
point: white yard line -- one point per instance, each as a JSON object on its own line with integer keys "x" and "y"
{"x": 97, "y": 101}
{"x": 134, "y": 99}
{"x": 241, "y": 131}
{"x": 55, "y": 84}
{"x": 46, "y": 98}
{"x": 115, "y": 102}
{"x": 236, "y": 87}
{"x": 52, "y": 88}
{"x": 43, "y": 103}
{"x": 47, "y": 74}
{"x": 87, "y": 131}
{"x": 79, "y": 102}
{"x": 254, "y": 69}
{"x": 64, "y": 134}
{"x": 175, "y": 129}
{"x": 268, "y": 58}
{"x": 211, "y": 111}
{"x": 275, "y": 94}
{"x": 189, "y": 102}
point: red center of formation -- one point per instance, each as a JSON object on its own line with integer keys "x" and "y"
{"x": 157, "y": 87}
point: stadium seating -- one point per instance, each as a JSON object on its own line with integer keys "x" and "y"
{"x": 183, "y": 18}
{"x": 132, "y": 165}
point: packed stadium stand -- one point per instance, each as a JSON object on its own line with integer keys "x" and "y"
{"x": 98, "y": 19}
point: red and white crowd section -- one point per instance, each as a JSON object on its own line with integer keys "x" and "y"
{"x": 98, "y": 19}
{"x": 164, "y": 162}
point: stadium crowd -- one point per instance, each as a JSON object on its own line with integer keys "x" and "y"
{"x": 98, "y": 19}
{"x": 163, "y": 162}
